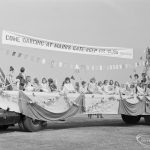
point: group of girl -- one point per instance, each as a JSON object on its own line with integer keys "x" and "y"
{"x": 69, "y": 85}
{"x": 25, "y": 83}
{"x": 93, "y": 87}
{"x": 140, "y": 86}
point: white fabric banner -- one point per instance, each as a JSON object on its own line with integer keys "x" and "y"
{"x": 101, "y": 104}
{"x": 18, "y": 39}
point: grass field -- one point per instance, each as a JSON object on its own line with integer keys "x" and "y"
{"x": 77, "y": 133}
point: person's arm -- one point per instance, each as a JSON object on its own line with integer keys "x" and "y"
{"x": 89, "y": 89}
{"x": 64, "y": 89}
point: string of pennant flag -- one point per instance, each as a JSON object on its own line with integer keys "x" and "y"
{"x": 77, "y": 67}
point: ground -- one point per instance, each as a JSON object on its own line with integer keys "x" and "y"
{"x": 77, "y": 133}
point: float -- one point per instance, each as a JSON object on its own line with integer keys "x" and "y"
{"x": 32, "y": 110}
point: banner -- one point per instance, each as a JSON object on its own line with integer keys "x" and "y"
{"x": 101, "y": 104}
{"x": 53, "y": 102}
{"x": 54, "y": 105}
{"x": 17, "y": 39}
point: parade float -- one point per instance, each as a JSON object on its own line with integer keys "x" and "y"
{"x": 32, "y": 110}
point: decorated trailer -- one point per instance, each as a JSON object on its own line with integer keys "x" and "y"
{"x": 32, "y": 110}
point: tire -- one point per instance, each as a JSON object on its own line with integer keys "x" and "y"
{"x": 31, "y": 125}
{"x": 130, "y": 119}
{"x": 147, "y": 119}
{"x": 3, "y": 127}
{"x": 21, "y": 126}
{"x": 43, "y": 124}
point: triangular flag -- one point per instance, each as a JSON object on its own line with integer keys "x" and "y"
{"x": 60, "y": 64}
{"x": 14, "y": 53}
{"x": 100, "y": 67}
{"x": 72, "y": 77}
{"x": 77, "y": 69}
{"x": 76, "y": 66}
{"x": 20, "y": 54}
{"x": 52, "y": 63}
{"x": 123, "y": 66}
{"x": 87, "y": 67}
{"x": 110, "y": 67}
{"x": 141, "y": 58}
{"x": 43, "y": 61}
{"x": 120, "y": 66}
{"x": 93, "y": 68}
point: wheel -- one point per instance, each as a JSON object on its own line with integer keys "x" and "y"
{"x": 31, "y": 125}
{"x": 130, "y": 119}
{"x": 147, "y": 119}
{"x": 43, "y": 124}
{"x": 4, "y": 127}
{"x": 21, "y": 126}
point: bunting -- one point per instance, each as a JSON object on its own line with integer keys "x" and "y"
{"x": 76, "y": 67}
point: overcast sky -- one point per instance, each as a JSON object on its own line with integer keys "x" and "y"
{"x": 114, "y": 23}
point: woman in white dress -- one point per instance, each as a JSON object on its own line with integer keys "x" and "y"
{"x": 44, "y": 86}
{"x": 107, "y": 88}
{"x": 100, "y": 87}
{"x": 117, "y": 87}
{"x": 92, "y": 87}
{"x": 36, "y": 85}
{"x": 28, "y": 86}
{"x": 141, "y": 89}
{"x": 67, "y": 86}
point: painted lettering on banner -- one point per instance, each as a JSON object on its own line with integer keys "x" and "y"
{"x": 18, "y": 39}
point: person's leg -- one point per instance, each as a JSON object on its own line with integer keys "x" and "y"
{"x": 90, "y": 116}
{"x": 101, "y": 116}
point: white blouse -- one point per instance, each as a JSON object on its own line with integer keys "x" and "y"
{"x": 68, "y": 88}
